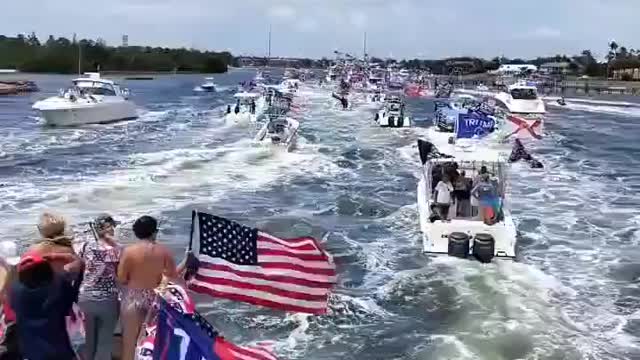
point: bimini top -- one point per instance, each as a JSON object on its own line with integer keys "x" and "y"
{"x": 90, "y": 79}
{"x": 470, "y": 150}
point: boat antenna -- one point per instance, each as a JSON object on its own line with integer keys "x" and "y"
{"x": 364, "y": 47}
{"x": 79, "y": 58}
{"x": 269, "y": 47}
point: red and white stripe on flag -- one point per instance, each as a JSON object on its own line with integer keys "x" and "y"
{"x": 293, "y": 275}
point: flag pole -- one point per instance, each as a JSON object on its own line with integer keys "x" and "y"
{"x": 193, "y": 222}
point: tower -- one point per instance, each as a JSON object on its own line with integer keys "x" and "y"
{"x": 125, "y": 40}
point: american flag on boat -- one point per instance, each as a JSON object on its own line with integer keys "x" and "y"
{"x": 244, "y": 264}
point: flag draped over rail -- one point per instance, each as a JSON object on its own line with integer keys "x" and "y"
{"x": 244, "y": 264}
{"x": 188, "y": 336}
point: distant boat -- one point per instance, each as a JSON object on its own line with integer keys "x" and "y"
{"x": 521, "y": 98}
{"x": 8, "y": 71}
{"x": 280, "y": 132}
{"x": 207, "y": 86}
{"x": 90, "y": 100}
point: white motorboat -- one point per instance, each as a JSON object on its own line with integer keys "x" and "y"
{"x": 248, "y": 108}
{"x": 207, "y": 86}
{"x": 521, "y": 98}
{"x": 464, "y": 233}
{"x": 91, "y": 100}
{"x": 392, "y": 114}
{"x": 279, "y": 132}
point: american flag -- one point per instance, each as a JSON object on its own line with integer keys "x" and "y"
{"x": 244, "y": 264}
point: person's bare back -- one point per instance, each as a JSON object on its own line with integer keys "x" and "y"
{"x": 143, "y": 264}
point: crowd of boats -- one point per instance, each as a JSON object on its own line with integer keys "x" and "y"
{"x": 462, "y": 193}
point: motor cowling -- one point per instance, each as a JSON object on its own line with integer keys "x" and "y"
{"x": 484, "y": 247}
{"x": 458, "y": 244}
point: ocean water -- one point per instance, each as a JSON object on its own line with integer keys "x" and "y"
{"x": 573, "y": 294}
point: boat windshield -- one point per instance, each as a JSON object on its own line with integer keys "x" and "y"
{"x": 524, "y": 94}
{"x": 96, "y": 88}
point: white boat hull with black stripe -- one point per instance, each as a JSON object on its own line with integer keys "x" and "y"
{"x": 464, "y": 234}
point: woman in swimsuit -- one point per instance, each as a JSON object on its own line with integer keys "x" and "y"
{"x": 141, "y": 269}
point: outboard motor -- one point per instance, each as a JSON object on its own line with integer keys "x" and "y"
{"x": 228, "y": 109}
{"x": 483, "y": 247}
{"x": 458, "y": 245}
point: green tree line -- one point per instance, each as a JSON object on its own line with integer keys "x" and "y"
{"x": 60, "y": 55}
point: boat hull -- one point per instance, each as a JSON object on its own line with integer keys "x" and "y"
{"x": 435, "y": 235}
{"x": 287, "y": 144}
{"x": 92, "y": 113}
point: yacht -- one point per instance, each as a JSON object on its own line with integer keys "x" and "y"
{"x": 393, "y": 114}
{"x": 521, "y": 98}
{"x": 207, "y": 86}
{"x": 248, "y": 108}
{"x": 463, "y": 233}
{"x": 279, "y": 132}
{"x": 90, "y": 100}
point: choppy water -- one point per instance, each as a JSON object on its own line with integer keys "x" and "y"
{"x": 574, "y": 295}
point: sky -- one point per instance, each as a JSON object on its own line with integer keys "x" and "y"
{"x": 423, "y": 29}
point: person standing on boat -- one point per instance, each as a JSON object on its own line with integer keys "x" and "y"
{"x": 462, "y": 195}
{"x": 487, "y": 196}
{"x": 54, "y": 240}
{"x": 9, "y": 259}
{"x": 443, "y": 197}
{"x": 42, "y": 298}
{"x": 98, "y": 297}
{"x": 141, "y": 269}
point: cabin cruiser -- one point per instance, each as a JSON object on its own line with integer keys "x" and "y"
{"x": 91, "y": 100}
{"x": 279, "y": 132}
{"x": 393, "y": 114}
{"x": 459, "y": 229}
{"x": 207, "y": 86}
{"x": 248, "y": 108}
{"x": 521, "y": 98}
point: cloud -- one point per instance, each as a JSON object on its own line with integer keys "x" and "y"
{"x": 358, "y": 19}
{"x": 543, "y": 32}
{"x": 282, "y": 12}
{"x": 315, "y": 28}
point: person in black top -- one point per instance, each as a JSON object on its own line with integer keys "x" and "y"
{"x": 41, "y": 299}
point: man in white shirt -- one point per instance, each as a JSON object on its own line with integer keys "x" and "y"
{"x": 443, "y": 192}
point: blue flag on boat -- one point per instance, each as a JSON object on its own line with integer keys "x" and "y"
{"x": 179, "y": 337}
{"x": 473, "y": 125}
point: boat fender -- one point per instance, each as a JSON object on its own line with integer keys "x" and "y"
{"x": 400, "y": 121}
{"x": 483, "y": 247}
{"x": 458, "y": 244}
{"x": 377, "y": 116}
